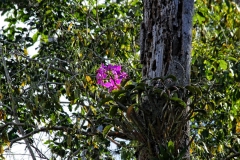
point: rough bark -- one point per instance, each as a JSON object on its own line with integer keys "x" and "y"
{"x": 166, "y": 44}
{"x": 166, "y": 39}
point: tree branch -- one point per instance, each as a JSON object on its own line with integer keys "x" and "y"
{"x": 232, "y": 156}
{"x": 15, "y": 124}
{"x": 45, "y": 129}
{"x": 41, "y": 155}
{"x": 63, "y": 128}
{"x": 14, "y": 107}
{"x": 62, "y": 70}
{"x": 74, "y": 154}
{"x": 113, "y": 141}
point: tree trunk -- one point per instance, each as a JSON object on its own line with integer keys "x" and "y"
{"x": 166, "y": 45}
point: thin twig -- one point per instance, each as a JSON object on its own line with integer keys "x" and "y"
{"x": 74, "y": 154}
{"x": 118, "y": 144}
{"x": 45, "y": 129}
{"x": 15, "y": 124}
{"x": 14, "y": 107}
{"x": 41, "y": 155}
{"x": 232, "y": 156}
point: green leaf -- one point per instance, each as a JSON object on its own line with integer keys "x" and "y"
{"x": 48, "y": 12}
{"x": 113, "y": 110}
{"x": 140, "y": 87}
{"x": 171, "y": 77}
{"x": 201, "y": 111}
{"x": 35, "y": 37}
{"x": 163, "y": 153}
{"x": 106, "y": 130}
{"x": 237, "y": 34}
{"x": 171, "y": 146}
{"x": 158, "y": 90}
{"x": 116, "y": 93}
{"x": 200, "y": 14}
{"x": 53, "y": 117}
{"x": 124, "y": 82}
{"x": 223, "y": 64}
{"x": 129, "y": 87}
{"x": 179, "y": 101}
{"x": 194, "y": 90}
{"x": 209, "y": 75}
{"x": 232, "y": 59}
{"x": 69, "y": 140}
{"x": 182, "y": 153}
{"x": 103, "y": 101}
{"x": 44, "y": 38}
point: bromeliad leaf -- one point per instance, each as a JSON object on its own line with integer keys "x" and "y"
{"x": 113, "y": 111}
{"x": 130, "y": 110}
{"x": 129, "y": 87}
{"x": 116, "y": 93}
{"x": 171, "y": 77}
{"x": 103, "y": 101}
{"x": 179, "y": 101}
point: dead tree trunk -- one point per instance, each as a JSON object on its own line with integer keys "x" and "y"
{"x": 166, "y": 47}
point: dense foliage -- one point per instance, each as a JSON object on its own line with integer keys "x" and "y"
{"x": 215, "y": 67}
{"x": 75, "y": 39}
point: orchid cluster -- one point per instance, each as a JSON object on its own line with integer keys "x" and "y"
{"x": 110, "y": 76}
